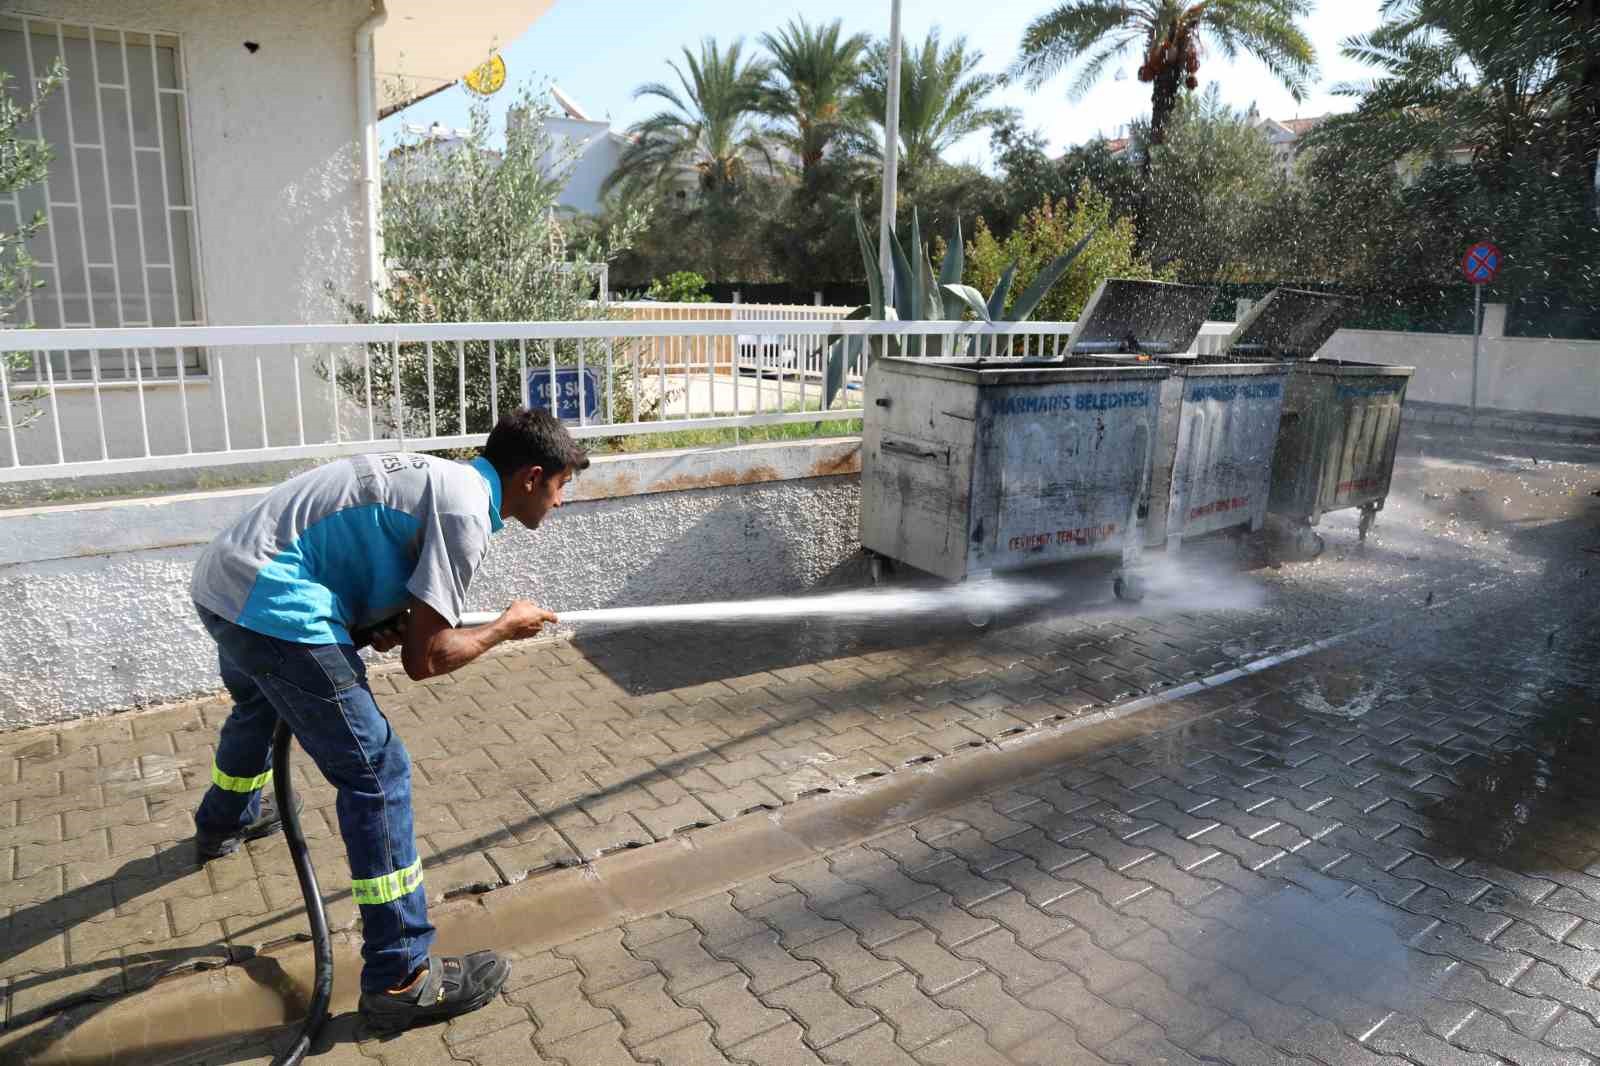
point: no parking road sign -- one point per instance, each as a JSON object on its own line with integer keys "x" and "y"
{"x": 1482, "y": 262}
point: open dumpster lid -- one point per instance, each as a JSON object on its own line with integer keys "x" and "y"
{"x": 1290, "y": 324}
{"x": 1128, "y": 317}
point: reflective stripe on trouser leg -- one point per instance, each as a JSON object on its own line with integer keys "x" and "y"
{"x": 239, "y": 784}
{"x": 389, "y": 887}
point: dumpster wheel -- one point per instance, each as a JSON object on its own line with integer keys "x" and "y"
{"x": 878, "y": 568}
{"x": 1128, "y": 587}
{"x": 1308, "y": 543}
{"x": 1368, "y": 514}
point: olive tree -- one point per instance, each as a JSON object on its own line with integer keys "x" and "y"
{"x": 474, "y": 233}
{"x": 24, "y": 162}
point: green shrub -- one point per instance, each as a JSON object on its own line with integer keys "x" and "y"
{"x": 1045, "y": 233}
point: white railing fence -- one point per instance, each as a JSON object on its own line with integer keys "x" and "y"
{"x": 273, "y": 393}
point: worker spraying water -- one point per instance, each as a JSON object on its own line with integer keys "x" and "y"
{"x": 379, "y": 549}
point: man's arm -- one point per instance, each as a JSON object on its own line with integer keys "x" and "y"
{"x": 431, "y": 646}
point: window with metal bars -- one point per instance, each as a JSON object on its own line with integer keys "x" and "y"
{"x": 119, "y": 245}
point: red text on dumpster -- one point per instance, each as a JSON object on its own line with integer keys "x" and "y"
{"x": 1083, "y": 537}
{"x": 1232, "y": 503}
{"x": 1358, "y": 485}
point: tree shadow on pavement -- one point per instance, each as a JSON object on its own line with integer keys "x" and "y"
{"x": 194, "y": 1048}
{"x": 90, "y": 986}
{"x": 36, "y": 924}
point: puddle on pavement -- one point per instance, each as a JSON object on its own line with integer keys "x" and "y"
{"x": 1536, "y": 806}
{"x": 1348, "y": 945}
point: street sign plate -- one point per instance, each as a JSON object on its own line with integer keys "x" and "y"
{"x": 1482, "y": 263}
{"x": 566, "y": 392}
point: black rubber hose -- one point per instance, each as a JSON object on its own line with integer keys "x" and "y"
{"x": 321, "y": 942}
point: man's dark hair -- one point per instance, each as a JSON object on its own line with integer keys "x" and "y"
{"x": 533, "y": 437}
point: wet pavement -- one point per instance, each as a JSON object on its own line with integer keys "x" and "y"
{"x": 1388, "y": 849}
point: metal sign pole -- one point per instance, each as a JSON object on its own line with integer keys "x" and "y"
{"x": 891, "y": 155}
{"x": 1480, "y": 265}
{"x": 1477, "y": 341}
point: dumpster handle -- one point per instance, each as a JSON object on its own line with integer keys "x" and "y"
{"x": 912, "y": 450}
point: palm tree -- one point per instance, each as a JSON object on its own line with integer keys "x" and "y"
{"x": 1480, "y": 74}
{"x": 811, "y": 89}
{"x": 942, "y": 97}
{"x": 711, "y": 125}
{"x": 1173, "y": 35}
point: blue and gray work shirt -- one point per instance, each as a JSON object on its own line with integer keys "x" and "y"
{"x": 346, "y": 545}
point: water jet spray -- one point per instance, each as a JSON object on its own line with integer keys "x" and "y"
{"x": 1172, "y": 586}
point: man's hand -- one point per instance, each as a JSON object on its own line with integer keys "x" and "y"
{"x": 390, "y": 634}
{"x": 432, "y": 647}
{"x": 524, "y": 619}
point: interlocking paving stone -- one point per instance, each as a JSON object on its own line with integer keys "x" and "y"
{"x": 647, "y": 1013}
{"x": 1004, "y": 1020}
{"x": 914, "y": 1018}
{"x": 851, "y": 966}
{"x": 684, "y": 960}
{"x": 604, "y": 961}
{"x": 1095, "y": 1022}
{"x": 1194, "y": 864}
{"x": 1488, "y": 1034}
{"x": 768, "y": 965}
{"x": 560, "y": 1008}
{"x": 735, "y": 1013}
{"x": 825, "y": 1015}
{"x": 601, "y": 1046}
{"x": 719, "y": 921}
{"x": 795, "y": 922}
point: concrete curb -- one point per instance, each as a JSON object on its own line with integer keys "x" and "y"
{"x": 1548, "y": 427}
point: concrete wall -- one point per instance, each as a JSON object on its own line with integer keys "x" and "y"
{"x": 97, "y": 607}
{"x": 1515, "y": 374}
{"x": 273, "y": 138}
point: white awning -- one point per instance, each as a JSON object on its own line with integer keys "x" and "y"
{"x": 425, "y": 44}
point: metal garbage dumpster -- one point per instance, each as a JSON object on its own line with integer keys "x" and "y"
{"x": 1218, "y": 414}
{"x": 1341, "y": 419}
{"x": 973, "y": 467}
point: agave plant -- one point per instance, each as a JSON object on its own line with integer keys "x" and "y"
{"x": 920, "y": 295}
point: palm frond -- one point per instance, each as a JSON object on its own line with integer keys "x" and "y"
{"x": 1058, "y": 38}
{"x": 1089, "y": 71}
{"x": 709, "y": 124}
{"x": 942, "y": 95}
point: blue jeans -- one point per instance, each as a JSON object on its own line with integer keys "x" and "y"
{"x": 321, "y": 691}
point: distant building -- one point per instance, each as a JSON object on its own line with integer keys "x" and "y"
{"x": 1285, "y": 136}
{"x": 427, "y": 145}
{"x": 1282, "y": 134}
{"x": 592, "y": 150}
{"x": 587, "y": 145}
{"x": 587, "y": 150}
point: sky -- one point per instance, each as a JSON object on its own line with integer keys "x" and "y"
{"x": 599, "y": 51}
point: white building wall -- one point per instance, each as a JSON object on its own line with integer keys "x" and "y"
{"x": 273, "y": 140}
{"x": 594, "y": 153}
